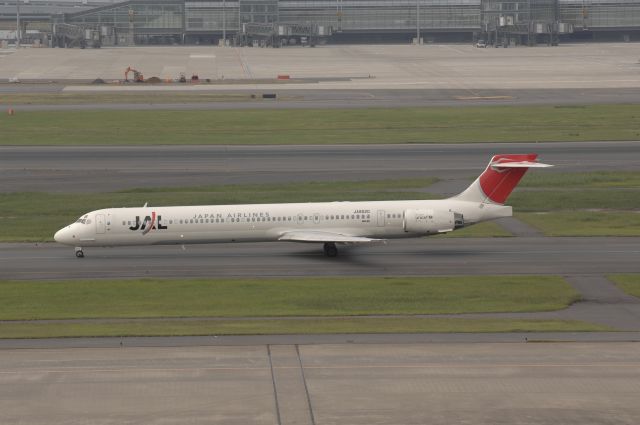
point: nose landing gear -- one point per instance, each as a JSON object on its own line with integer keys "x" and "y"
{"x": 79, "y": 252}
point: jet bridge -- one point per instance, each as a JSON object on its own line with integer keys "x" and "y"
{"x": 277, "y": 35}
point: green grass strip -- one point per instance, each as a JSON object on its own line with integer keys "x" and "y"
{"x": 591, "y": 204}
{"x": 578, "y": 199}
{"x": 322, "y": 126}
{"x": 331, "y": 296}
{"x": 306, "y": 326}
{"x": 35, "y": 217}
{"x": 580, "y": 204}
{"x": 591, "y": 180}
{"x": 629, "y": 283}
{"x": 584, "y": 223}
{"x": 119, "y": 97}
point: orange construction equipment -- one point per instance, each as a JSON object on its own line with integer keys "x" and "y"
{"x": 137, "y": 75}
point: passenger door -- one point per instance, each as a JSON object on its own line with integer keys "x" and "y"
{"x": 381, "y": 218}
{"x": 100, "y": 224}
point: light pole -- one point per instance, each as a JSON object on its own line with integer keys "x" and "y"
{"x": 224, "y": 23}
{"x": 17, "y": 23}
{"x": 418, "y": 22}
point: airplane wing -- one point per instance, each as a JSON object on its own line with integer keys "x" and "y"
{"x": 313, "y": 236}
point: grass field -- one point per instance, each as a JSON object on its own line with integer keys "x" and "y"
{"x": 279, "y": 306}
{"x": 323, "y": 126}
{"x": 118, "y": 98}
{"x": 584, "y": 223}
{"x": 592, "y": 180}
{"x": 629, "y": 283}
{"x": 281, "y": 297}
{"x": 34, "y": 217}
{"x": 580, "y": 204}
{"x": 304, "y": 326}
{"x": 589, "y": 204}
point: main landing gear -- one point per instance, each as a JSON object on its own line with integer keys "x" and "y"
{"x": 330, "y": 249}
{"x": 79, "y": 252}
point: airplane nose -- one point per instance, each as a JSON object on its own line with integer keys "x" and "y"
{"x": 62, "y": 236}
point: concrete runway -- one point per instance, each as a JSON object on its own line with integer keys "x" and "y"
{"x": 365, "y": 67}
{"x": 460, "y": 383}
{"x": 107, "y": 168}
{"x": 420, "y": 257}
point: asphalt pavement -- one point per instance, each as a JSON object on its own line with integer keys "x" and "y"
{"x": 415, "y": 257}
{"x": 300, "y": 97}
{"x": 107, "y": 168}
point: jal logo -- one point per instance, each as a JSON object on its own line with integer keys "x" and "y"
{"x": 148, "y": 224}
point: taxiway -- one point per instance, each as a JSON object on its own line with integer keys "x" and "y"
{"x": 107, "y": 168}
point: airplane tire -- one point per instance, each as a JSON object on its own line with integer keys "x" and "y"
{"x": 330, "y": 249}
{"x": 79, "y": 254}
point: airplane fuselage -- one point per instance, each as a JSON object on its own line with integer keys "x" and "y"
{"x": 269, "y": 222}
{"x": 329, "y": 223}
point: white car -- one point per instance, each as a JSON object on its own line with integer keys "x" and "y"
{"x": 481, "y": 44}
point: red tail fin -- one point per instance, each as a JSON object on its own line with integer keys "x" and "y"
{"x": 499, "y": 178}
{"x": 498, "y": 182}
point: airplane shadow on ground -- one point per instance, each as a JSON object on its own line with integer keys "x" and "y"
{"x": 371, "y": 257}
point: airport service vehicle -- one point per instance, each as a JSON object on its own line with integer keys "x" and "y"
{"x": 327, "y": 223}
{"x": 481, "y": 44}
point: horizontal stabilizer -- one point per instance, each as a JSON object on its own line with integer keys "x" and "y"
{"x": 312, "y": 236}
{"x": 520, "y": 164}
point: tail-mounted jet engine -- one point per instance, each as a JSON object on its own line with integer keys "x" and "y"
{"x": 432, "y": 221}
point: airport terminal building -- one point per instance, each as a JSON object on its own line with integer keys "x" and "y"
{"x": 277, "y": 23}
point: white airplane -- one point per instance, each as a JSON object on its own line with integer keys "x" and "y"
{"x": 329, "y": 223}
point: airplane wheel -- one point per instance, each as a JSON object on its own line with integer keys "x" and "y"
{"x": 80, "y": 254}
{"x": 330, "y": 249}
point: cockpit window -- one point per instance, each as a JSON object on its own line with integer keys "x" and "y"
{"x": 84, "y": 219}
